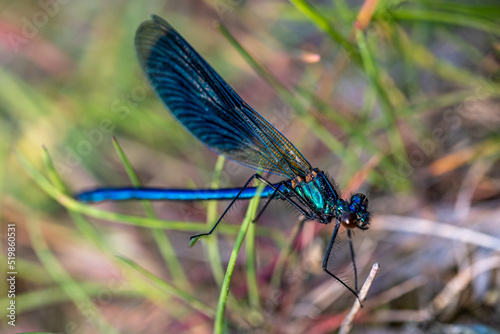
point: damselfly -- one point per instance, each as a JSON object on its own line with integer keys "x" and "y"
{"x": 215, "y": 114}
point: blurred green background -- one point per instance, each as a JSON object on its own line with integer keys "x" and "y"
{"x": 406, "y": 108}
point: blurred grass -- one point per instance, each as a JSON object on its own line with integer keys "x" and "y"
{"x": 401, "y": 102}
{"x": 162, "y": 241}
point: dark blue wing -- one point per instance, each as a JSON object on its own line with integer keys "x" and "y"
{"x": 208, "y": 107}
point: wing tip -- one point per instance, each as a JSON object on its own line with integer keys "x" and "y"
{"x": 147, "y": 35}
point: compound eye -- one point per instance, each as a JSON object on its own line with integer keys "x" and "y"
{"x": 361, "y": 199}
{"x": 349, "y": 219}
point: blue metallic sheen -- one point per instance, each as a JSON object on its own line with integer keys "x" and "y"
{"x": 320, "y": 193}
{"x": 128, "y": 193}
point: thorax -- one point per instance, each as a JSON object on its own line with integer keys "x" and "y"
{"x": 318, "y": 191}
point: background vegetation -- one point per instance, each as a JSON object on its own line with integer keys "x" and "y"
{"x": 400, "y": 102}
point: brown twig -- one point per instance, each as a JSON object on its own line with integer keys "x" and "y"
{"x": 348, "y": 320}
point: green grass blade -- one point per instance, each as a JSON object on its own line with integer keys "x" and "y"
{"x": 372, "y": 69}
{"x": 211, "y": 244}
{"x": 429, "y": 15}
{"x": 53, "y": 295}
{"x": 251, "y": 271}
{"x": 249, "y": 217}
{"x": 324, "y": 24}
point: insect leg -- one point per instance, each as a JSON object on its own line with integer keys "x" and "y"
{"x": 272, "y": 186}
{"x": 225, "y": 211}
{"x": 327, "y": 257}
{"x": 349, "y": 235}
{"x": 285, "y": 196}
